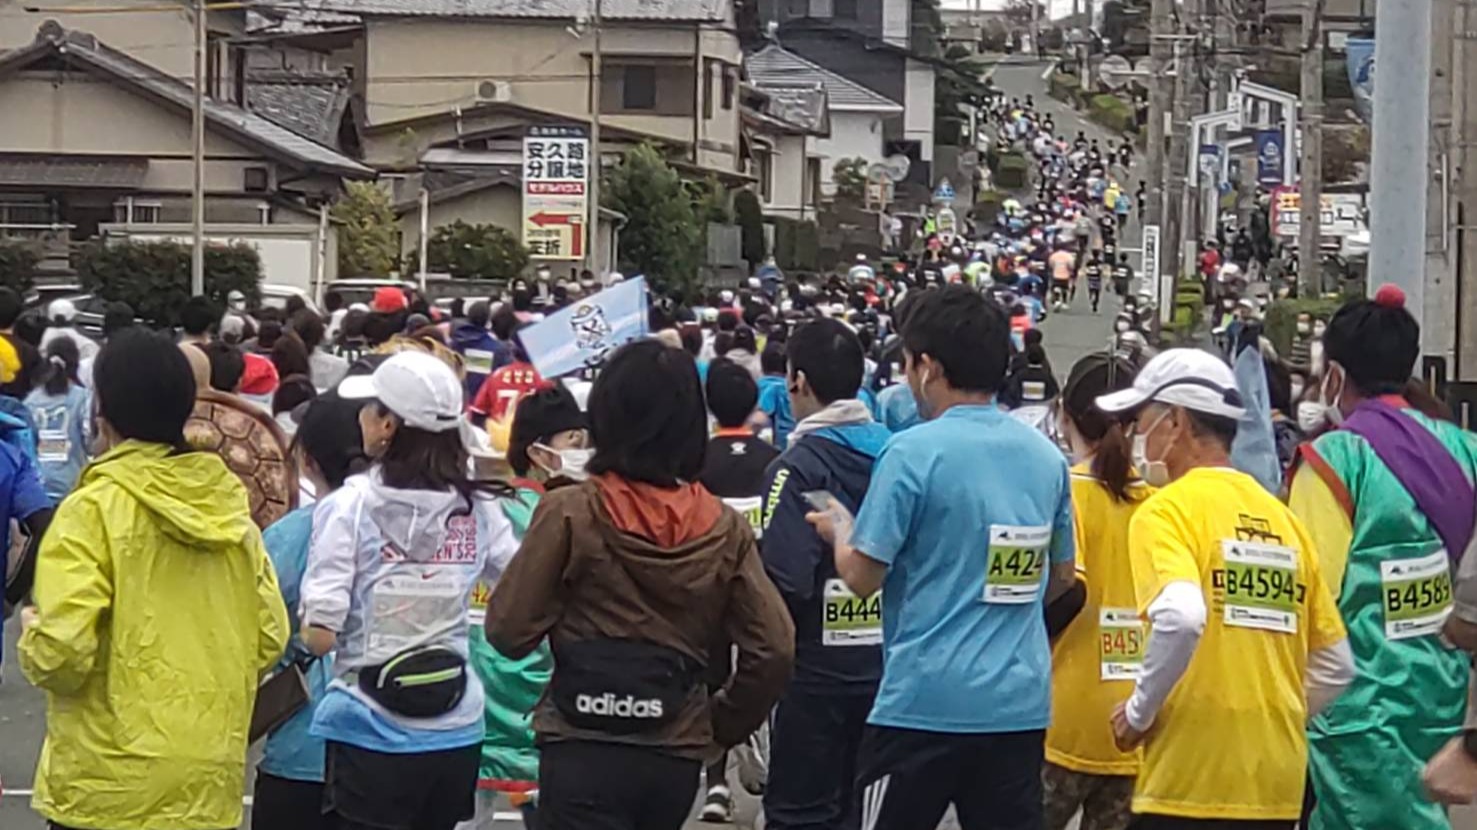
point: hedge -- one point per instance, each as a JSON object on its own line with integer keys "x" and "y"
{"x": 154, "y": 277}
{"x": 18, "y": 261}
{"x": 1065, "y": 87}
{"x": 1280, "y": 322}
{"x": 987, "y": 207}
{"x": 1013, "y": 172}
{"x": 1112, "y": 112}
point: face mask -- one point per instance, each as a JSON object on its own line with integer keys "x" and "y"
{"x": 1155, "y": 473}
{"x": 1318, "y": 329}
{"x": 1331, "y": 409}
{"x": 1297, "y": 388}
{"x": 1121, "y": 326}
{"x": 1311, "y": 416}
{"x": 1304, "y": 328}
{"x": 572, "y": 462}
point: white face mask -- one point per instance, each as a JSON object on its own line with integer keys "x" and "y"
{"x": 1331, "y": 409}
{"x": 1155, "y": 473}
{"x": 1311, "y": 416}
{"x": 572, "y": 462}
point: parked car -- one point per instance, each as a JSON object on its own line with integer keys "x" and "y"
{"x": 362, "y": 290}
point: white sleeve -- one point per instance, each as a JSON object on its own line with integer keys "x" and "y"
{"x": 333, "y": 555}
{"x": 1176, "y": 620}
{"x": 1330, "y": 671}
{"x": 502, "y": 542}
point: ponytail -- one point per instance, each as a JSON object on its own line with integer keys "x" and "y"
{"x": 1094, "y": 375}
{"x": 62, "y": 358}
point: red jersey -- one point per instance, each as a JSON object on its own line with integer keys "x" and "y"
{"x": 498, "y": 398}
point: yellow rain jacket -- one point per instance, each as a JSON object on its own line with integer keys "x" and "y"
{"x": 157, "y": 611}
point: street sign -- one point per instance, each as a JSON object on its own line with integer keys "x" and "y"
{"x": 1342, "y": 214}
{"x": 1269, "y": 157}
{"x": 946, "y": 224}
{"x": 1115, "y": 71}
{"x": 555, "y": 191}
{"x": 944, "y": 193}
{"x": 1150, "y": 266}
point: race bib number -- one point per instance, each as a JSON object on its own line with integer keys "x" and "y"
{"x": 1120, "y": 643}
{"x": 752, "y": 509}
{"x": 1261, "y": 586}
{"x": 850, "y": 620}
{"x": 1016, "y": 564}
{"x": 477, "y": 361}
{"x": 52, "y": 446}
{"x": 477, "y": 608}
{"x": 404, "y": 606}
{"x": 1417, "y": 595}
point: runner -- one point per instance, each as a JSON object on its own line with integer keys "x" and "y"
{"x": 1245, "y": 641}
{"x": 1101, "y": 653}
{"x": 289, "y": 780}
{"x": 633, "y": 576}
{"x": 1063, "y": 275}
{"x": 395, "y": 557}
{"x": 817, "y": 727}
{"x": 965, "y": 693}
{"x": 1093, "y": 270}
{"x": 60, "y": 407}
{"x": 156, "y": 612}
{"x": 1386, "y": 531}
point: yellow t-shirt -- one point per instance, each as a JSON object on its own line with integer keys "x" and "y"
{"x": 1096, "y": 659}
{"x": 1229, "y": 742}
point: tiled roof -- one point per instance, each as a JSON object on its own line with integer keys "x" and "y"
{"x": 84, "y": 49}
{"x": 694, "y": 10}
{"x": 310, "y": 106}
{"x": 777, "y": 67}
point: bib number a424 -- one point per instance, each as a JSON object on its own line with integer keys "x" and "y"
{"x": 1016, "y": 565}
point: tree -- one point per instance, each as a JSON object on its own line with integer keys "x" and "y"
{"x": 958, "y": 87}
{"x": 1345, "y": 153}
{"x": 850, "y": 178}
{"x": 18, "y": 264}
{"x": 476, "y": 252}
{"x": 154, "y": 277}
{"x": 661, "y": 238}
{"x": 750, "y": 218}
{"x": 369, "y": 238}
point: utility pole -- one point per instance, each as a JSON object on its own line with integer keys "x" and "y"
{"x": 592, "y": 164}
{"x": 197, "y": 204}
{"x": 1177, "y": 228}
{"x": 1161, "y": 94}
{"x": 1310, "y": 190}
{"x": 1463, "y": 215}
{"x": 1401, "y": 129}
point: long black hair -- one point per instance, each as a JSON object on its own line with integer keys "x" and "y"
{"x": 647, "y": 417}
{"x": 419, "y": 459}
{"x": 1098, "y": 374}
{"x": 62, "y": 359}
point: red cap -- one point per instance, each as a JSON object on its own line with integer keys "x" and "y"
{"x": 260, "y": 376}
{"x": 388, "y": 300}
{"x": 1389, "y": 296}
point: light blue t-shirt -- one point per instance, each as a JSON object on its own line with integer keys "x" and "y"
{"x": 942, "y": 494}
{"x": 291, "y": 752}
{"x": 61, "y": 436}
{"x": 896, "y": 408}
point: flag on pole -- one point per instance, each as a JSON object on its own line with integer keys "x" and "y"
{"x": 582, "y": 333}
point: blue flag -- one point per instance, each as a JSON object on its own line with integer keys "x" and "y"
{"x": 582, "y": 333}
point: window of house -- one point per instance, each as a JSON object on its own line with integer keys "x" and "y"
{"x": 797, "y": 8}
{"x": 813, "y": 181}
{"x": 730, "y": 86}
{"x": 707, "y": 89}
{"x": 132, "y": 211}
{"x": 649, "y": 87}
{"x": 21, "y": 210}
{"x": 820, "y": 8}
{"x": 764, "y": 172}
{"x": 844, "y": 9}
{"x": 638, "y": 89}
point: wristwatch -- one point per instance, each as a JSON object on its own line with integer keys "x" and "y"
{"x": 1469, "y": 743}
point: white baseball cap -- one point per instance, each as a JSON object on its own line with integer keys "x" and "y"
{"x": 419, "y": 388}
{"x": 1190, "y": 378}
{"x": 65, "y": 309}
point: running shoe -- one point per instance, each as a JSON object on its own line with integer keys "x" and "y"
{"x": 718, "y": 806}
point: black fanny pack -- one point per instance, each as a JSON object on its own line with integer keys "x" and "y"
{"x": 418, "y": 683}
{"x": 621, "y": 687}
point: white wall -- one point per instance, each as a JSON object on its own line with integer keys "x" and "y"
{"x": 289, "y": 252}
{"x": 895, "y": 21}
{"x": 853, "y": 134}
{"x": 787, "y": 196}
{"x": 918, "y": 107}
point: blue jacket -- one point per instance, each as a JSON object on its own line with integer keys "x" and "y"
{"x": 838, "y": 460}
{"x": 481, "y": 352}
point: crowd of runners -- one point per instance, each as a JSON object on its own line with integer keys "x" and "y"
{"x": 850, "y": 544}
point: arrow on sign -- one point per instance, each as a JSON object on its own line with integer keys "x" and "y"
{"x": 543, "y": 219}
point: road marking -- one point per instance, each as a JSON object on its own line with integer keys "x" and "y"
{"x": 1047, "y": 73}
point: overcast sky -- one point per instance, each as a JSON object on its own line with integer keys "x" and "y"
{"x": 1058, "y": 8}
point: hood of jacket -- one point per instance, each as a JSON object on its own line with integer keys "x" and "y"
{"x": 466, "y": 335}
{"x": 665, "y": 539}
{"x": 193, "y": 497}
{"x": 414, "y": 521}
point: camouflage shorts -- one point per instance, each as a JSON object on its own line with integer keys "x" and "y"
{"x": 1104, "y": 799}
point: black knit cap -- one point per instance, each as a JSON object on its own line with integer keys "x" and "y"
{"x": 539, "y": 417}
